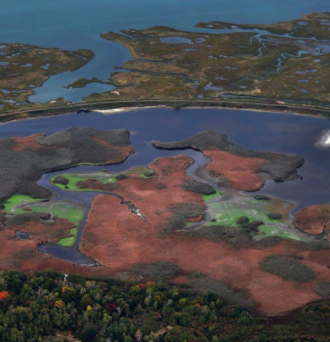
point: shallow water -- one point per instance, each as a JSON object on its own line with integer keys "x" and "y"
{"x": 78, "y": 23}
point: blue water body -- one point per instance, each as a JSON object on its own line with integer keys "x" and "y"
{"x": 74, "y": 24}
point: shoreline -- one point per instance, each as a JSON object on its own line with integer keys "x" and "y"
{"x": 116, "y": 107}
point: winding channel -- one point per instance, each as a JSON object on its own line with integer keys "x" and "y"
{"x": 86, "y": 198}
{"x": 284, "y": 133}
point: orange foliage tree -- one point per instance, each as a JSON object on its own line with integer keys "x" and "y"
{"x": 4, "y": 295}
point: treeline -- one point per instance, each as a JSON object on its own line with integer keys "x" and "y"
{"x": 49, "y": 306}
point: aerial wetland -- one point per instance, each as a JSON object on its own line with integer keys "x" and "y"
{"x": 282, "y": 65}
{"x": 220, "y": 199}
{"x": 94, "y": 194}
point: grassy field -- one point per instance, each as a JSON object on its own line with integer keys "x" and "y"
{"x": 18, "y": 200}
{"x": 208, "y": 198}
{"x": 76, "y": 177}
{"x": 103, "y": 177}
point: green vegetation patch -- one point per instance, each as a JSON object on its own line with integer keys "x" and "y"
{"x": 227, "y": 213}
{"x": 18, "y": 200}
{"x": 273, "y": 230}
{"x": 103, "y": 177}
{"x": 208, "y": 198}
{"x": 68, "y": 210}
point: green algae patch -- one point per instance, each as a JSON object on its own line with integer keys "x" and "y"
{"x": 226, "y": 213}
{"x": 65, "y": 209}
{"x": 207, "y": 198}
{"x": 273, "y": 230}
{"x": 18, "y": 200}
{"x": 229, "y": 211}
{"x": 69, "y": 241}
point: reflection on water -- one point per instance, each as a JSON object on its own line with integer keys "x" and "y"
{"x": 325, "y": 140}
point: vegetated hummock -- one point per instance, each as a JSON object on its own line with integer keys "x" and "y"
{"x": 24, "y": 67}
{"x": 27, "y": 159}
{"x": 82, "y": 82}
{"x": 313, "y": 220}
{"x": 172, "y": 64}
{"x": 237, "y": 167}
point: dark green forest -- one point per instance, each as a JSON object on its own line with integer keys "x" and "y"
{"x": 49, "y": 306}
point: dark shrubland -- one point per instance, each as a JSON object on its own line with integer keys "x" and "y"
{"x": 236, "y": 237}
{"x": 275, "y": 216}
{"x": 157, "y": 271}
{"x": 322, "y": 288}
{"x": 225, "y": 292}
{"x": 181, "y": 213}
{"x": 261, "y": 198}
{"x": 61, "y": 180}
{"x": 121, "y": 176}
{"x": 198, "y": 187}
{"x": 287, "y": 268}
